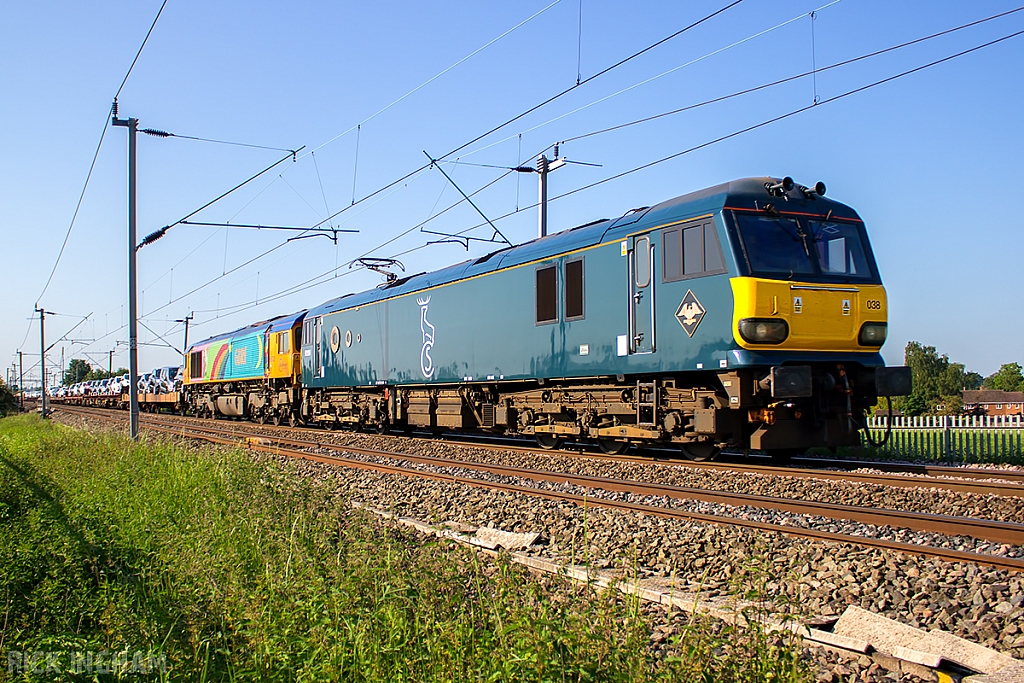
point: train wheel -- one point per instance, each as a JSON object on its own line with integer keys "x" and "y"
{"x": 293, "y": 420}
{"x": 699, "y": 451}
{"x": 383, "y": 427}
{"x": 612, "y": 447}
{"x": 278, "y": 419}
{"x": 782, "y": 456}
{"x": 262, "y": 418}
{"x": 549, "y": 442}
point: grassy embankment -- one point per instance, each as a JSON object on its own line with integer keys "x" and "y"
{"x": 229, "y": 569}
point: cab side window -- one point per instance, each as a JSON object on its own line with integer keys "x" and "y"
{"x": 195, "y": 365}
{"x": 691, "y": 251}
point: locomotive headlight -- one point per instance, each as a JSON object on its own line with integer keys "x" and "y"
{"x": 763, "y": 330}
{"x": 872, "y": 334}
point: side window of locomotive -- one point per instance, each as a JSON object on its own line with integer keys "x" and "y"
{"x": 547, "y": 295}
{"x": 282, "y": 343}
{"x": 691, "y": 251}
{"x": 574, "y": 290}
{"x": 642, "y": 261}
{"x": 195, "y": 365}
{"x": 307, "y": 333}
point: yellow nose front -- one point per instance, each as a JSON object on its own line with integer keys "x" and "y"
{"x": 821, "y": 317}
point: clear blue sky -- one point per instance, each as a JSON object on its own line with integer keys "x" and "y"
{"x": 933, "y": 161}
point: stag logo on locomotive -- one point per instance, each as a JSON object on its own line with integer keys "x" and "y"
{"x": 690, "y": 312}
{"x": 426, "y": 362}
{"x": 240, "y": 355}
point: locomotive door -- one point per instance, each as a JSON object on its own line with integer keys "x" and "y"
{"x": 641, "y": 296}
{"x": 318, "y": 368}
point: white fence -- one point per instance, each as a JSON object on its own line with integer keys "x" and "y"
{"x": 958, "y": 438}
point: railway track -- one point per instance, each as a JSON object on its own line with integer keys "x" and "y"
{"x": 369, "y": 459}
{"x": 981, "y": 481}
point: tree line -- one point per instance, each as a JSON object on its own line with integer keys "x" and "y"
{"x": 939, "y": 383}
{"x": 8, "y": 402}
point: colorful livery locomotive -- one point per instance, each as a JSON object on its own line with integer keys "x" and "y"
{"x": 747, "y": 315}
{"x": 252, "y": 372}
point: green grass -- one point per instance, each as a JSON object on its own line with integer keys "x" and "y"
{"x": 227, "y": 569}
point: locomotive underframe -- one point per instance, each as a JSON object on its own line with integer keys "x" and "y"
{"x": 699, "y": 412}
{"x": 262, "y": 400}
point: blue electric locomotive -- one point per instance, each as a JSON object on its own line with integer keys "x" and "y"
{"x": 747, "y": 315}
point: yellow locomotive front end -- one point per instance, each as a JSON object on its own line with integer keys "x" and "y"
{"x": 810, "y": 316}
{"x": 811, "y": 284}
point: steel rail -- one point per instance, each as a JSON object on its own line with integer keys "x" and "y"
{"x": 990, "y": 530}
{"x": 917, "y": 468}
{"x": 972, "y": 481}
{"x": 963, "y": 480}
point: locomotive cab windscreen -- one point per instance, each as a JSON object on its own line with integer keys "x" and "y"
{"x": 806, "y": 249}
{"x": 807, "y": 283}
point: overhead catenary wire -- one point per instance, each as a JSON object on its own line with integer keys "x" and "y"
{"x": 298, "y": 194}
{"x": 64, "y": 336}
{"x": 160, "y": 233}
{"x": 329, "y": 275}
{"x": 78, "y": 207}
{"x": 141, "y": 47}
{"x": 789, "y": 79}
{"x": 165, "y": 134}
{"x": 435, "y": 77}
{"x": 320, "y": 181}
{"x": 579, "y": 45}
{"x": 28, "y": 331}
{"x": 544, "y": 103}
{"x": 99, "y": 145}
{"x": 651, "y": 79}
{"x": 226, "y": 273}
{"x": 762, "y": 124}
{"x": 814, "y": 65}
{"x": 160, "y": 337}
{"x": 212, "y": 280}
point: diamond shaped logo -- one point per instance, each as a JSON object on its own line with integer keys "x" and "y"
{"x": 690, "y": 312}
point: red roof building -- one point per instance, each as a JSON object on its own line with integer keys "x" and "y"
{"x": 994, "y": 402}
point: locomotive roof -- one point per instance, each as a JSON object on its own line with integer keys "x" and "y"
{"x": 275, "y": 324}
{"x": 746, "y": 193}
